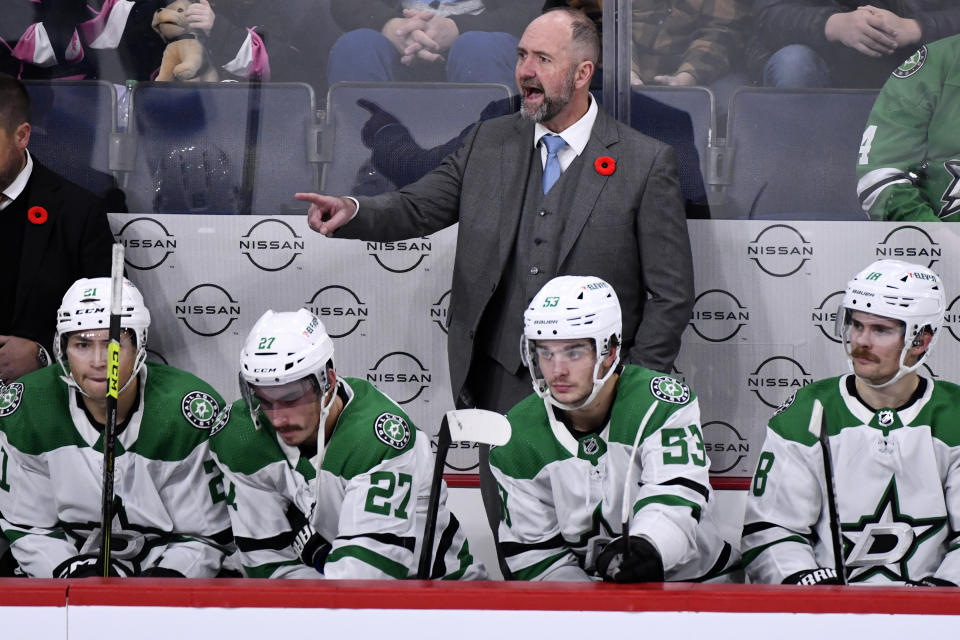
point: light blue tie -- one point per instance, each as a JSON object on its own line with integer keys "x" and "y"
{"x": 551, "y": 170}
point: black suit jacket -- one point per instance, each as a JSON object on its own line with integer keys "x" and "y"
{"x": 75, "y": 242}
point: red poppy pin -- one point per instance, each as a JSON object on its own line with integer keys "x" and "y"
{"x": 605, "y": 165}
{"x": 37, "y": 215}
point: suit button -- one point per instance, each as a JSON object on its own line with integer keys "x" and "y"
{"x": 542, "y": 212}
{"x": 534, "y": 271}
{"x": 538, "y": 242}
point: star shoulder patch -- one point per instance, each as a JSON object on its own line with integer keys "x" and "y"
{"x": 392, "y": 430}
{"x": 669, "y": 390}
{"x": 201, "y": 410}
{"x": 10, "y": 397}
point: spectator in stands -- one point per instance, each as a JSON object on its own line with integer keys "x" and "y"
{"x": 858, "y": 480}
{"x": 564, "y": 477}
{"x": 51, "y": 233}
{"x": 606, "y": 200}
{"x": 682, "y": 44}
{"x": 405, "y": 40}
{"x": 262, "y": 40}
{"x": 843, "y": 43}
{"x": 909, "y": 160}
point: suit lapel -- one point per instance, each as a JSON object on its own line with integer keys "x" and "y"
{"x": 515, "y": 153}
{"x": 591, "y": 183}
{"x": 45, "y": 193}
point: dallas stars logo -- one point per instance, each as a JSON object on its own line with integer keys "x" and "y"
{"x": 951, "y": 197}
{"x": 392, "y": 430}
{"x": 10, "y": 397}
{"x": 884, "y": 542}
{"x": 669, "y": 390}
{"x": 200, "y": 409}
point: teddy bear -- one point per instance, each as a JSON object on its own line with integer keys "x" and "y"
{"x": 184, "y": 58}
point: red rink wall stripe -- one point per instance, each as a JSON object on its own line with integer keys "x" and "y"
{"x": 512, "y": 596}
{"x": 30, "y": 592}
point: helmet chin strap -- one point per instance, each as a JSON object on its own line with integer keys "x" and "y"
{"x": 325, "y": 407}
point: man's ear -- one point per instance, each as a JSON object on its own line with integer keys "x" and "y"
{"x": 583, "y": 74}
{"x": 920, "y": 343}
{"x": 21, "y": 136}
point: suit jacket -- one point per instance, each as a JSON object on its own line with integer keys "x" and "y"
{"x": 75, "y": 242}
{"x": 628, "y": 228}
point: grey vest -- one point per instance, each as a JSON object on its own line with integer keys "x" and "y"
{"x": 532, "y": 263}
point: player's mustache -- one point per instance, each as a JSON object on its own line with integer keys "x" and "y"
{"x": 863, "y": 352}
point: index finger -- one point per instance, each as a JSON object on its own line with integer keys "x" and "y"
{"x": 314, "y": 198}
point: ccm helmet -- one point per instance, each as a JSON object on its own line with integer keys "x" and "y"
{"x": 285, "y": 347}
{"x": 568, "y": 308}
{"x": 909, "y": 293}
{"x": 86, "y": 307}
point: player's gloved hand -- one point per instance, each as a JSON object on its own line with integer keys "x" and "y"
{"x": 929, "y": 581}
{"x": 311, "y": 547}
{"x": 379, "y": 118}
{"x": 161, "y": 572}
{"x": 820, "y": 575}
{"x": 88, "y": 565}
{"x": 642, "y": 564}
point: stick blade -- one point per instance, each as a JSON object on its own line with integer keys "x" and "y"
{"x": 479, "y": 425}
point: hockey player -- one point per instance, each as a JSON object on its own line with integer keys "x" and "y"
{"x": 909, "y": 161}
{"x": 170, "y": 511}
{"x": 561, "y": 476}
{"x": 894, "y": 451}
{"x": 368, "y": 505}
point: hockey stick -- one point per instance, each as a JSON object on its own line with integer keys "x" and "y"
{"x": 474, "y": 425}
{"x": 818, "y": 427}
{"x": 113, "y": 386}
{"x": 628, "y": 481}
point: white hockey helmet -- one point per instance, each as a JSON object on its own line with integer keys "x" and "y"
{"x": 903, "y": 291}
{"x": 569, "y": 308}
{"x": 284, "y": 347}
{"x": 86, "y": 307}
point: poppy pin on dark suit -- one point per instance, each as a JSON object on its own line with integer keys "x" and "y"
{"x": 37, "y": 215}
{"x": 605, "y": 165}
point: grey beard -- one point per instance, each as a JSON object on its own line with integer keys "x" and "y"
{"x": 547, "y": 110}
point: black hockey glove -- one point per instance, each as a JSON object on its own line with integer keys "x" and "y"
{"x": 311, "y": 547}
{"x": 821, "y": 575}
{"x": 379, "y": 118}
{"x": 88, "y": 566}
{"x": 929, "y": 581}
{"x": 161, "y": 572}
{"x": 643, "y": 564}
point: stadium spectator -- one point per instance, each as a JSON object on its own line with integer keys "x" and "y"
{"x": 407, "y": 40}
{"x": 842, "y": 43}
{"x": 909, "y": 159}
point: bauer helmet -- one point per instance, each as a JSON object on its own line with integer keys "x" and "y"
{"x": 568, "y": 308}
{"x": 86, "y": 307}
{"x": 282, "y": 348}
{"x": 909, "y": 293}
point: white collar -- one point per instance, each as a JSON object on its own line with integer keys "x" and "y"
{"x": 19, "y": 183}
{"x": 576, "y": 135}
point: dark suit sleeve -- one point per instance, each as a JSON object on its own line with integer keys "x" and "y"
{"x": 428, "y": 205}
{"x": 667, "y": 267}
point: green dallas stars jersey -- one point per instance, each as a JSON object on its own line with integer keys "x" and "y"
{"x": 172, "y": 510}
{"x": 374, "y": 486}
{"x": 897, "y": 479}
{"x": 561, "y": 497}
{"x": 909, "y": 159}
